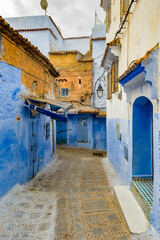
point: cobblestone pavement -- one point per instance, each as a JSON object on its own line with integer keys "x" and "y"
{"x": 28, "y": 212}
{"x": 86, "y": 208}
{"x": 69, "y": 199}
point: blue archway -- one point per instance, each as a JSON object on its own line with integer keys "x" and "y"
{"x": 142, "y": 138}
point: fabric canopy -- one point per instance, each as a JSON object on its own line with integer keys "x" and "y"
{"x": 55, "y": 105}
{"x": 48, "y": 113}
{"x": 38, "y": 104}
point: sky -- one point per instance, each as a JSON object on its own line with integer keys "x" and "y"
{"x": 74, "y": 17}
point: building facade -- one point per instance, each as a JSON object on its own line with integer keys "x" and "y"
{"x": 75, "y": 83}
{"x": 42, "y": 32}
{"x": 131, "y": 63}
{"x": 28, "y": 139}
{"x": 99, "y": 78}
{"x": 81, "y": 77}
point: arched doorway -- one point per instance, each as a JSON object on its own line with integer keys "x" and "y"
{"x": 142, "y": 138}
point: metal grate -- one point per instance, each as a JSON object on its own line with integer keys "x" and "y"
{"x": 100, "y": 154}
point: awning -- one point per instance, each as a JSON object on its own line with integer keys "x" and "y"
{"x": 54, "y": 104}
{"x": 38, "y": 105}
{"x": 48, "y": 113}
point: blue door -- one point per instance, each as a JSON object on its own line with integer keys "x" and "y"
{"x": 33, "y": 164}
{"x": 82, "y": 130}
{"x": 142, "y": 137}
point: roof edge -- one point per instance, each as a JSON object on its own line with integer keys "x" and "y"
{"x": 12, "y": 34}
{"x": 137, "y": 63}
{"x": 37, "y": 29}
{"x": 76, "y": 37}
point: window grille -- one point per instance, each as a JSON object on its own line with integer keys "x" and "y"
{"x": 64, "y": 92}
{"x": 47, "y": 130}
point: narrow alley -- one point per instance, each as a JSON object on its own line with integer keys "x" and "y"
{"x": 69, "y": 199}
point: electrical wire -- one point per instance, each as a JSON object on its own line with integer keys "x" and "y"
{"x": 81, "y": 63}
{"x": 23, "y": 51}
{"x": 41, "y": 64}
{"x": 30, "y": 74}
{"x": 30, "y": 57}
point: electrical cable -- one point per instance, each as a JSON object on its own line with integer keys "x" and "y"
{"x": 30, "y": 57}
{"x": 30, "y": 74}
{"x": 40, "y": 63}
{"x": 80, "y": 63}
{"x": 23, "y": 51}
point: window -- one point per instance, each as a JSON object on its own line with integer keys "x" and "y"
{"x": 34, "y": 85}
{"x": 108, "y": 17}
{"x": 64, "y": 92}
{"x": 124, "y": 5}
{"x": 109, "y": 85}
{"x": 80, "y": 81}
{"x": 112, "y": 84}
{"x": 47, "y": 130}
{"x": 1, "y": 47}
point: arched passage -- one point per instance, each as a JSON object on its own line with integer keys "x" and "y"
{"x": 142, "y": 137}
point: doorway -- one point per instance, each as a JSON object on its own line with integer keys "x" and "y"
{"x": 33, "y": 164}
{"x": 82, "y": 130}
{"x": 142, "y": 163}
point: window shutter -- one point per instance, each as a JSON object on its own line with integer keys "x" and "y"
{"x": 113, "y": 77}
{"x": 116, "y": 73}
{"x": 110, "y": 84}
{"x": 125, "y": 5}
{"x": 108, "y": 17}
{"x": 108, "y": 94}
{"x": 121, "y": 9}
{"x": 109, "y": 13}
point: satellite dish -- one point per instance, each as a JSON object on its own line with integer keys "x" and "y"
{"x": 44, "y": 4}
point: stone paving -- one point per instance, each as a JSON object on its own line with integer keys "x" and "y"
{"x": 86, "y": 208}
{"x": 69, "y": 199}
{"x": 27, "y": 212}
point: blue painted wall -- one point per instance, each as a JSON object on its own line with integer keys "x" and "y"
{"x": 115, "y": 148}
{"x": 15, "y": 133}
{"x": 142, "y": 137}
{"x": 72, "y": 124}
{"x": 155, "y": 216}
{"x": 42, "y": 39}
{"x": 99, "y": 130}
{"x": 61, "y": 132}
{"x": 39, "y": 37}
{"x": 96, "y": 131}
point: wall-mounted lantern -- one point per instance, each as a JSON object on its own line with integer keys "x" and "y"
{"x": 100, "y": 91}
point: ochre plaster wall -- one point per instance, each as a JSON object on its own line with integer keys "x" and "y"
{"x": 72, "y": 70}
{"x": 32, "y": 69}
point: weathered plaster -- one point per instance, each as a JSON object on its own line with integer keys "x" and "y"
{"x": 16, "y": 133}
{"x": 98, "y": 48}
{"x": 96, "y": 132}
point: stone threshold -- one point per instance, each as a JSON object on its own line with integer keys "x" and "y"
{"x": 134, "y": 216}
